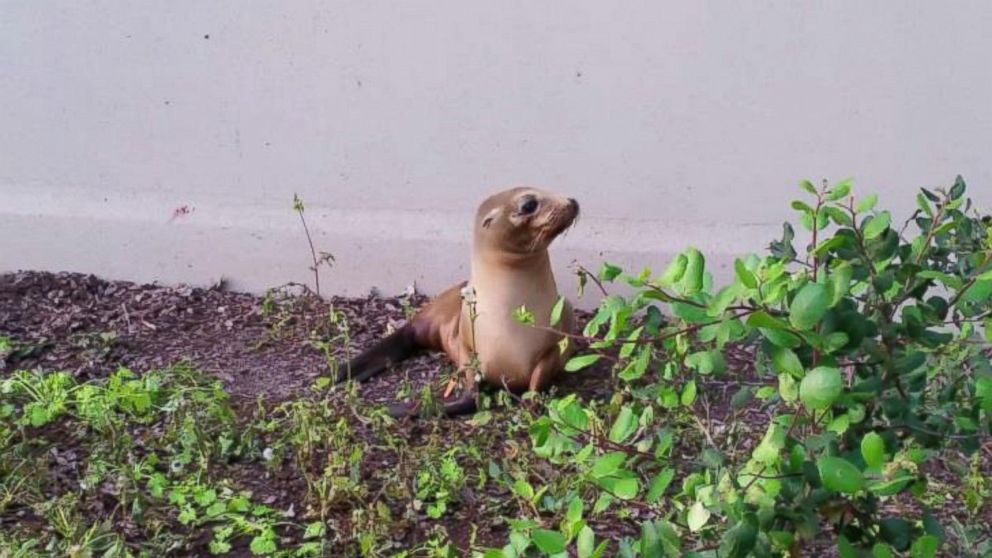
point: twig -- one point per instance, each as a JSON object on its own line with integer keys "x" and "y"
{"x": 127, "y": 317}
{"x": 592, "y": 276}
{"x": 298, "y": 206}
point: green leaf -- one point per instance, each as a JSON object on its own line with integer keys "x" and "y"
{"x": 821, "y": 387}
{"x": 979, "y": 291}
{"x": 784, "y": 360}
{"x": 867, "y": 203}
{"x": 921, "y": 202}
{"x": 882, "y": 550}
{"x": 876, "y": 225}
{"x": 523, "y": 315}
{"x": 947, "y": 279}
{"x": 578, "y": 363}
{"x": 38, "y": 415}
{"x": 809, "y": 306}
{"x": 744, "y": 275}
{"x": 842, "y": 189}
{"x": 549, "y": 542}
{"x": 835, "y": 341}
{"x": 840, "y": 475}
{"x": 651, "y": 544}
{"x": 839, "y": 424}
{"x": 523, "y": 489}
{"x": 808, "y": 186}
{"x": 740, "y": 540}
{"x": 767, "y": 452}
{"x": 609, "y": 272}
{"x": 873, "y": 450}
{"x": 896, "y": 531}
{"x": 659, "y": 484}
{"x": 627, "y": 349}
{"x": 638, "y": 366}
{"x": 781, "y": 338}
{"x": 216, "y": 509}
{"x": 983, "y": 385}
{"x": 723, "y": 299}
{"x": 205, "y": 497}
{"x": 697, "y": 517}
{"x": 624, "y": 488}
{"x": 315, "y": 530}
{"x": 925, "y": 547}
{"x": 675, "y": 271}
{"x": 845, "y": 548}
{"x": 692, "y": 282}
{"x": 707, "y": 362}
{"x": 556, "y": 311}
{"x": 788, "y": 388}
{"x": 585, "y": 543}
{"x": 839, "y": 216}
{"x": 608, "y": 464}
{"x": 689, "y": 394}
{"x": 831, "y": 243}
{"x": 801, "y": 206}
{"x": 624, "y": 425}
{"x": 264, "y": 543}
{"x": 958, "y": 189}
{"x": 765, "y": 320}
{"x": 840, "y": 282}
{"x": 891, "y": 487}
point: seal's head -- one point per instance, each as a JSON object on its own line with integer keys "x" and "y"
{"x": 523, "y": 221}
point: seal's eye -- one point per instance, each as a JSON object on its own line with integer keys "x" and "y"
{"x": 530, "y": 206}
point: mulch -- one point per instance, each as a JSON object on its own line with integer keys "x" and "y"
{"x": 273, "y": 346}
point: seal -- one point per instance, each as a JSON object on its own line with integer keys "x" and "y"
{"x": 473, "y": 322}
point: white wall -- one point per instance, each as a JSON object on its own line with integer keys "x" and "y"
{"x": 674, "y": 123}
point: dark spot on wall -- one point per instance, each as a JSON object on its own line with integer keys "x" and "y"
{"x": 207, "y": 36}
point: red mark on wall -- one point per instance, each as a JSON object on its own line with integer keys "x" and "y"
{"x": 181, "y": 211}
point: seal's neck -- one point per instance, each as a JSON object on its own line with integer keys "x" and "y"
{"x": 490, "y": 261}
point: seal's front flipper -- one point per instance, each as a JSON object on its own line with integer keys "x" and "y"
{"x": 464, "y": 404}
{"x": 395, "y": 348}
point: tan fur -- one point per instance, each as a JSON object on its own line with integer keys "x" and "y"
{"x": 510, "y": 268}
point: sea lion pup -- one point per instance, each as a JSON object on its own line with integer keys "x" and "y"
{"x": 510, "y": 269}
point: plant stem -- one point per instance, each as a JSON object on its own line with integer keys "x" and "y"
{"x": 313, "y": 251}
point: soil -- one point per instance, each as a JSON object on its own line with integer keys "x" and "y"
{"x": 264, "y": 347}
{"x": 87, "y": 326}
{"x": 258, "y": 346}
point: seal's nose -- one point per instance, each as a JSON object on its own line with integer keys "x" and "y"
{"x": 574, "y": 204}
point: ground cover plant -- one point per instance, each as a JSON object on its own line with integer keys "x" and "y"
{"x": 832, "y": 400}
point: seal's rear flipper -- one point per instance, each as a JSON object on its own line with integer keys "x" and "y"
{"x": 427, "y": 330}
{"x": 395, "y": 348}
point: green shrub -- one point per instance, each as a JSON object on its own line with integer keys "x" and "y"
{"x": 871, "y": 359}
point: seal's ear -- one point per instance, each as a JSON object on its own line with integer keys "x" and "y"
{"x": 488, "y": 220}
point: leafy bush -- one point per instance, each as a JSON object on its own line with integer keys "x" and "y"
{"x": 869, "y": 362}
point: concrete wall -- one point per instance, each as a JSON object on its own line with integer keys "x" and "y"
{"x": 674, "y": 123}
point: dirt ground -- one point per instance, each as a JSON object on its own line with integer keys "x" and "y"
{"x": 265, "y": 346}
{"x": 85, "y": 325}
{"x": 258, "y": 346}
